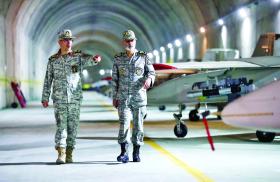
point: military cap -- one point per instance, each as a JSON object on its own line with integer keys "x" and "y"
{"x": 129, "y": 35}
{"x": 65, "y": 34}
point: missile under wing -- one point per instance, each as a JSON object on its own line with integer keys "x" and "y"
{"x": 257, "y": 110}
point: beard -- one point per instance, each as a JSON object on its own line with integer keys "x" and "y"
{"x": 130, "y": 48}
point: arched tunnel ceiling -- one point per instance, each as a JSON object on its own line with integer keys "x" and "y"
{"x": 98, "y": 24}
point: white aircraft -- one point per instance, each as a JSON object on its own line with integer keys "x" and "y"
{"x": 257, "y": 110}
{"x": 102, "y": 86}
{"x": 215, "y": 83}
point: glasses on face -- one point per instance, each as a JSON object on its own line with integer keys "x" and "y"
{"x": 128, "y": 41}
{"x": 66, "y": 40}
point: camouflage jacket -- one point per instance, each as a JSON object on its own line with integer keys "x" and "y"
{"x": 129, "y": 76}
{"x": 64, "y": 75}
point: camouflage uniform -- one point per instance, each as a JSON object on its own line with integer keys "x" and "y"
{"x": 64, "y": 72}
{"x": 129, "y": 76}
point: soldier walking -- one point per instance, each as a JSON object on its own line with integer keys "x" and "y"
{"x": 133, "y": 74}
{"x": 64, "y": 71}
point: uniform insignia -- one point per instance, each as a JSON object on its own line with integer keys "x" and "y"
{"x": 117, "y": 55}
{"x": 78, "y": 51}
{"x": 126, "y": 33}
{"x": 121, "y": 54}
{"x": 67, "y": 33}
{"x": 55, "y": 56}
{"x": 142, "y": 53}
{"x": 138, "y": 71}
{"x": 74, "y": 68}
{"x": 122, "y": 71}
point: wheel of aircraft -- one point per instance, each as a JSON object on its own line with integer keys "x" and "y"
{"x": 180, "y": 130}
{"x": 193, "y": 115}
{"x": 220, "y": 109}
{"x": 14, "y": 105}
{"x": 161, "y": 107}
{"x": 265, "y": 136}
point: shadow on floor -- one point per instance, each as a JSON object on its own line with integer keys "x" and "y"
{"x": 99, "y": 162}
{"x": 53, "y": 163}
{"x": 26, "y": 163}
{"x": 245, "y": 138}
{"x": 231, "y": 138}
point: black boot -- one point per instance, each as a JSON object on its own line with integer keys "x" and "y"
{"x": 123, "y": 157}
{"x": 135, "y": 154}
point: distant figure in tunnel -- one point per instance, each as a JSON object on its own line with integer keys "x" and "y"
{"x": 133, "y": 73}
{"x": 64, "y": 71}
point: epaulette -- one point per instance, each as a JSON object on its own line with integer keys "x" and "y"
{"x": 77, "y": 52}
{"x": 80, "y": 53}
{"x": 55, "y": 56}
{"x": 141, "y": 53}
{"x": 121, "y": 54}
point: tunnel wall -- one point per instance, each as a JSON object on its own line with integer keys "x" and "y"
{"x": 3, "y": 82}
{"x": 242, "y": 33}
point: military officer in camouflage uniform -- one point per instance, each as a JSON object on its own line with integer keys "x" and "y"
{"x": 64, "y": 71}
{"x": 133, "y": 74}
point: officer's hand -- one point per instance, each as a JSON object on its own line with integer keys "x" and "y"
{"x": 115, "y": 103}
{"x": 45, "y": 104}
{"x": 97, "y": 58}
{"x": 148, "y": 83}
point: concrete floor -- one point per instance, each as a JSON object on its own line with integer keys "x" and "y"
{"x": 27, "y": 149}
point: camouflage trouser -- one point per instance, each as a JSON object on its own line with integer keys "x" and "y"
{"x": 138, "y": 130}
{"x": 67, "y": 121}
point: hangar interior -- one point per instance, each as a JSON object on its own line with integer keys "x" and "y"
{"x": 29, "y": 32}
{"x": 170, "y": 32}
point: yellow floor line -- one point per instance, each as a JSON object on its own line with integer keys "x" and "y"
{"x": 249, "y": 114}
{"x": 194, "y": 172}
{"x": 7, "y": 80}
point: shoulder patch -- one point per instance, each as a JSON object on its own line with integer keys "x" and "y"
{"x": 80, "y": 53}
{"x": 141, "y": 53}
{"x": 121, "y": 54}
{"x": 55, "y": 56}
{"x": 77, "y": 51}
